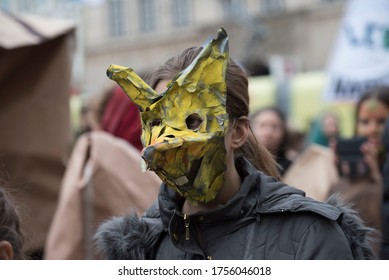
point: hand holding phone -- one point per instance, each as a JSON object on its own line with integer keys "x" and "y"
{"x": 351, "y": 158}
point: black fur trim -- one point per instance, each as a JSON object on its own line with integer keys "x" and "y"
{"x": 128, "y": 237}
{"x": 360, "y": 237}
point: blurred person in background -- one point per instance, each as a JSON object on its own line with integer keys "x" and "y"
{"x": 112, "y": 112}
{"x": 11, "y": 238}
{"x": 270, "y": 129}
{"x": 105, "y": 161}
{"x": 364, "y": 187}
{"x": 120, "y": 117}
{"x": 313, "y": 170}
{"x": 324, "y": 128}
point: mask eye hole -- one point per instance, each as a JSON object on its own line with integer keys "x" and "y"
{"x": 155, "y": 122}
{"x": 193, "y": 121}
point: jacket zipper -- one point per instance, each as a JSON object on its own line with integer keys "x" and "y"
{"x": 186, "y": 221}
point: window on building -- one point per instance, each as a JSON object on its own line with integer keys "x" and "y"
{"x": 116, "y": 18}
{"x": 332, "y": 1}
{"x": 27, "y": 6}
{"x": 272, "y": 6}
{"x": 233, "y": 8}
{"x": 147, "y": 15}
{"x": 181, "y": 12}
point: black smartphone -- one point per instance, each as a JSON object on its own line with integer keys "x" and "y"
{"x": 350, "y": 157}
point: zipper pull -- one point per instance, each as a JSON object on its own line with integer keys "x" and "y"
{"x": 186, "y": 220}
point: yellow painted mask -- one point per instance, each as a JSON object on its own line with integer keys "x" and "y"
{"x": 183, "y": 128}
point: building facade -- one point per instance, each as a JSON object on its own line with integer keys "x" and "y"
{"x": 144, "y": 33}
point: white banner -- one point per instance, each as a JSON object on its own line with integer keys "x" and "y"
{"x": 360, "y": 59}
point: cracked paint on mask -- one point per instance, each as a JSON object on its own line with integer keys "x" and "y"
{"x": 183, "y": 128}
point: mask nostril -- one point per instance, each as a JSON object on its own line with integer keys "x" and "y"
{"x": 169, "y": 136}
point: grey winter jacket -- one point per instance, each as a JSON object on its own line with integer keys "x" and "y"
{"x": 266, "y": 219}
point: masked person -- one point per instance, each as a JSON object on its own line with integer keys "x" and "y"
{"x": 221, "y": 198}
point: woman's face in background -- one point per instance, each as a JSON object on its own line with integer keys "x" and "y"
{"x": 371, "y": 119}
{"x": 268, "y": 128}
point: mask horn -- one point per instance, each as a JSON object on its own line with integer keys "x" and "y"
{"x": 209, "y": 67}
{"x": 136, "y": 89}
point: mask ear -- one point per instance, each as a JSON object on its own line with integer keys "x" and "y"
{"x": 6, "y": 251}
{"x": 139, "y": 92}
{"x": 209, "y": 68}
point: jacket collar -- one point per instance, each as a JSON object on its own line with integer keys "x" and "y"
{"x": 258, "y": 194}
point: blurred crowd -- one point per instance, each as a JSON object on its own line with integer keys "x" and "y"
{"x": 361, "y": 176}
{"x": 104, "y": 176}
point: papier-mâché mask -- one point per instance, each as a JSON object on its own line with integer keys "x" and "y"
{"x": 183, "y": 128}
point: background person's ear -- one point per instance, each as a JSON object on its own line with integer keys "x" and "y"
{"x": 240, "y": 132}
{"x": 6, "y": 251}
